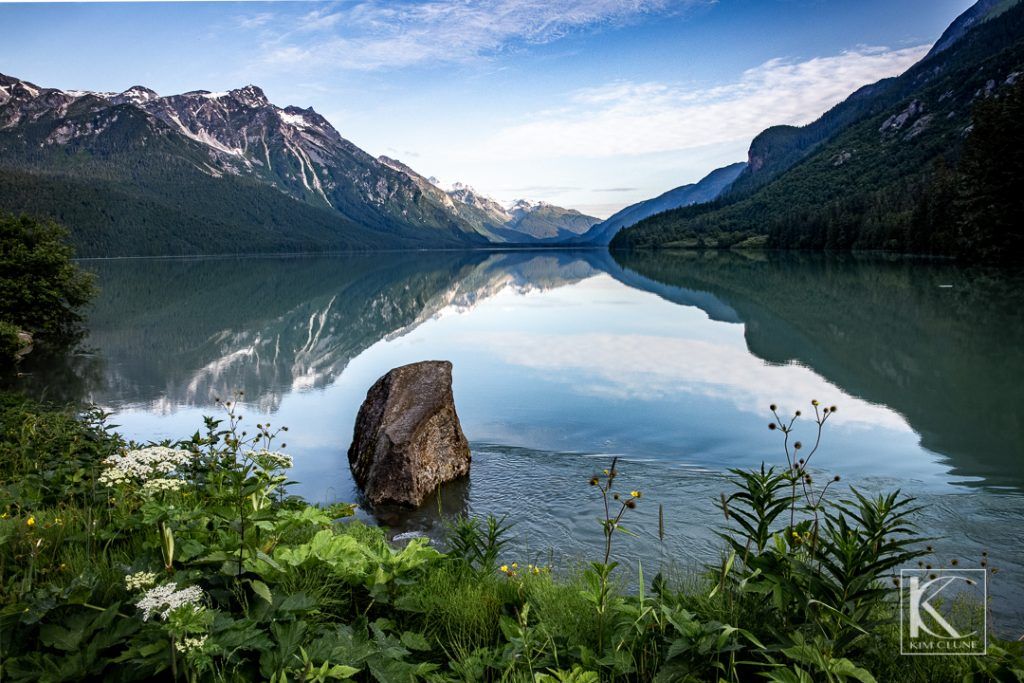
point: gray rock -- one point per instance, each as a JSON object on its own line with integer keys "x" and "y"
{"x": 407, "y": 437}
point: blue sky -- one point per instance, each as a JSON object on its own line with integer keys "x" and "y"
{"x": 592, "y": 104}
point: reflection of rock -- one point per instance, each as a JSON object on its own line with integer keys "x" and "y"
{"x": 430, "y": 518}
{"x": 407, "y": 437}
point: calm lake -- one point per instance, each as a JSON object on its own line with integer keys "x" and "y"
{"x": 565, "y": 359}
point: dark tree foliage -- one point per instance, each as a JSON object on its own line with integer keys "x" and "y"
{"x": 42, "y": 290}
{"x": 991, "y": 188}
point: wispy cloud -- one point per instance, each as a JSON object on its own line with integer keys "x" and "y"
{"x": 629, "y": 118}
{"x": 376, "y": 34}
{"x": 320, "y": 19}
{"x": 254, "y": 21}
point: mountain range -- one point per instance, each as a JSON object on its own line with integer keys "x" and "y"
{"x": 135, "y": 173}
{"x": 900, "y": 165}
{"x": 890, "y": 167}
{"x": 704, "y": 190}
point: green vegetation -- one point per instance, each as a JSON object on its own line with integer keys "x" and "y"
{"x": 190, "y": 561}
{"x": 41, "y": 290}
{"x": 980, "y": 204}
{"x": 926, "y": 163}
{"x": 182, "y": 213}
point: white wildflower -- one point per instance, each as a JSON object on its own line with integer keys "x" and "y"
{"x": 139, "y": 580}
{"x": 271, "y": 460}
{"x": 143, "y": 464}
{"x": 113, "y": 476}
{"x": 164, "y": 599}
{"x": 190, "y": 644}
{"x": 162, "y": 484}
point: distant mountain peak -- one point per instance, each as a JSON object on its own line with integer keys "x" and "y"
{"x": 979, "y": 12}
{"x": 137, "y": 94}
{"x": 526, "y": 205}
{"x": 250, "y": 95}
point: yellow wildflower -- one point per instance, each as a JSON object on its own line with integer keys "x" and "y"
{"x": 31, "y": 521}
{"x": 635, "y": 494}
{"x": 504, "y": 568}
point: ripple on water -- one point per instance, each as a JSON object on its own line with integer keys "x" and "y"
{"x": 545, "y": 494}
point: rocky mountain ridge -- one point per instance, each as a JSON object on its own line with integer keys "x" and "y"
{"x": 148, "y": 154}
{"x": 521, "y": 220}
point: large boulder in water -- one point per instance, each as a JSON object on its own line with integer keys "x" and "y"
{"x": 407, "y": 438}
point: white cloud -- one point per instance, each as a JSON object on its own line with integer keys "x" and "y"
{"x": 627, "y": 118}
{"x": 320, "y": 19}
{"x": 255, "y": 21}
{"x": 374, "y": 34}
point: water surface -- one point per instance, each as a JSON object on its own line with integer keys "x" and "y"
{"x": 563, "y": 360}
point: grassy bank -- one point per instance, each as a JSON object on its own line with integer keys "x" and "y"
{"x": 190, "y": 561}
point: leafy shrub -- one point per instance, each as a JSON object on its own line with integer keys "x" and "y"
{"x": 42, "y": 290}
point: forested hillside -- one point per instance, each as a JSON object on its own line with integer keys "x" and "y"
{"x": 909, "y": 174}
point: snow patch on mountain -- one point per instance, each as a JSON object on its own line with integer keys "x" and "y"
{"x": 293, "y": 119}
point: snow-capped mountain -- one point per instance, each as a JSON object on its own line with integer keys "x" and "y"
{"x": 159, "y": 152}
{"x": 541, "y": 220}
{"x": 521, "y": 220}
{"x": 136, "y": 172}
{"x": 467, "y": 195}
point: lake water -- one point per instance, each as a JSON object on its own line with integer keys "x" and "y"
{"x": 564, "y": 360}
